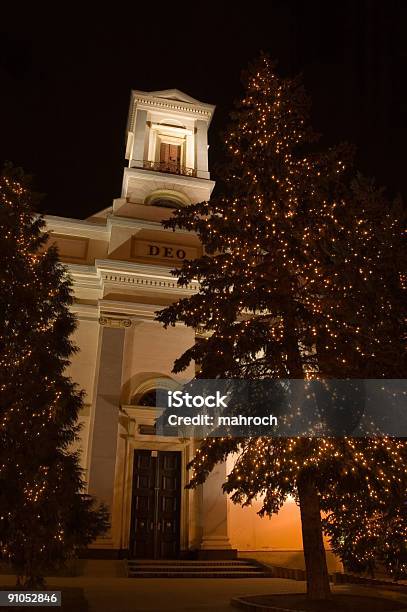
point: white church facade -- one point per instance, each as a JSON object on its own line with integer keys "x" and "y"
{"x": 120, "y": 261}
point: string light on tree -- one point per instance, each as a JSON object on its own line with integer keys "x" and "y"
{"x": 44, "y": 515}
{"x": 301, "y": 278}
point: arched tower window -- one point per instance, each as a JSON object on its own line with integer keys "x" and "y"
{"x": 167, "y": 198}
{"x": 149, "y": 398}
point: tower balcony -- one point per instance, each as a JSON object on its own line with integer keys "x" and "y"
{"x": 144, "y": 177}
{"x": 166, "y": 167}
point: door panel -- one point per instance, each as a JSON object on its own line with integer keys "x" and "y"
{"x": 142, "y": 521}
{"x": 156, "y": 505}
{"x": 169, "y": 500}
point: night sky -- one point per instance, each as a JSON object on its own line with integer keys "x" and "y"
{"x": 66, "y": 78}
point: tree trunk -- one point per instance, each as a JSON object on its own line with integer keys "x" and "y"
{"x": 314, "y": 551}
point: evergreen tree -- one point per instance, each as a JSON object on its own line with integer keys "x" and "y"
{"x": 44, "y": 513}
{"x": 370, "y": 537}
{"x": 288, "y": 288}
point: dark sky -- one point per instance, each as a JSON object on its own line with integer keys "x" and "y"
{"x": 66, "y": 78}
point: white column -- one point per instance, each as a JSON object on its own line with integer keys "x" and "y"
{"x": 140, "y": 127}
{"x": 106, "y": 417}
{"x": 119, "y": 514}
{"x": 215, "y": 534}
{"x": 189, "y": 150}
{"x": 202, "y": 149}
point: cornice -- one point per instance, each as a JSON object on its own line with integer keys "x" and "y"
{"x": 141, "y": 98}
{"x": 115, "y": 265}
{"x": 85, "y": 276}
{"x": 143, "y": 277}
{"x": 144, "y": 312}
{"x": 107, "y": 273}
{"x": 175, "y": 105}
{"x": 77, "y": 227}
{"x": 114, "y": 220}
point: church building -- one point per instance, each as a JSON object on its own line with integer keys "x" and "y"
{"x": 120, "y": 261}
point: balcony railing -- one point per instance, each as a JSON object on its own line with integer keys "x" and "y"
{"x": 169, "y": 167}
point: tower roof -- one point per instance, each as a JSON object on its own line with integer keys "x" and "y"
{"x": 172, "y": 100}
{"x": 174, "y": 94}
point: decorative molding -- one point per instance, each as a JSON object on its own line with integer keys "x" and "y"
{"x": 188, "y": 106}
{"x": 116, "y": 265}
{"x": 128, "y": 309}
{"x": 114, "y": 322}
{"x": 142, "y": 276}
{"x": 173, "y": 94}
{"x": 174, "y": 106}
{"x": 142, "y": 282}
{"x": 87, "y": 283}
{"x": 108, "y": 273}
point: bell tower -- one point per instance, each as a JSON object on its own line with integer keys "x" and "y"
{"x": 167, "y": 150}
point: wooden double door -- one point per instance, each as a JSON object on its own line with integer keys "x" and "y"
{"x": 156, "y": 505}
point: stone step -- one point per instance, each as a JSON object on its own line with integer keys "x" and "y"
{"x": 140, "y": 568}
{"x": 196, "y": 568}
{"x": 188, "y": 563}
{"x": 207, "y": 574}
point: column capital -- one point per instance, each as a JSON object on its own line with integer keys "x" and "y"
{"x": 114, "y": 322}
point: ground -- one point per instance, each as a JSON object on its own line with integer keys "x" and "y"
{"x": 181, "y": 595}
{"x": 339, "y": 602}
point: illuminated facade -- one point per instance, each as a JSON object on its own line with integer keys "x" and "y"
{"x": 120, "y": 261}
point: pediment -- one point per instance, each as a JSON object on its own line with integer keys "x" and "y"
{"x": 174, "y": 94}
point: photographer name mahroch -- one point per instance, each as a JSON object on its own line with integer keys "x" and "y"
{"x": 239, "y": 420}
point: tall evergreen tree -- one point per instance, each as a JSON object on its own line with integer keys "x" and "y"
{"x": 44, "y": 513}
{"x": 288, "y": 288}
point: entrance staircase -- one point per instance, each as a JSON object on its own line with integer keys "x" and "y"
{"x": 245, "y": 568}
